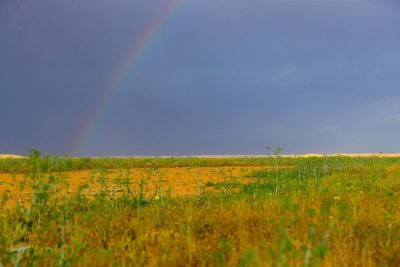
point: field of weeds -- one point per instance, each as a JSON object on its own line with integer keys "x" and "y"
{"x": 271, "y": 211}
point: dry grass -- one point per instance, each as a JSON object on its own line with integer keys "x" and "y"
{"x": 329, "y": 211}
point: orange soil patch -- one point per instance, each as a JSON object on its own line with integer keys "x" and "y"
{"x": 177, "y": 181}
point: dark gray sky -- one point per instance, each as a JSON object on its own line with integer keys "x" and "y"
{"x": 223, "y": 77}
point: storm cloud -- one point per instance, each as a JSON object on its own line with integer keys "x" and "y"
{"x": 222, "y": 77}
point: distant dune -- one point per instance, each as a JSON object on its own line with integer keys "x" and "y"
{"x": 9, "y": 156}
{"x": 350, "y": 155}
{"x": 363, "y": 155}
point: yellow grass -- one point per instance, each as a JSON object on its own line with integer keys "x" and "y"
{"x": 297, "y": 211}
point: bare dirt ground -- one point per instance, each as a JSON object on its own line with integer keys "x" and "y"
{"x": 176, "y": 181}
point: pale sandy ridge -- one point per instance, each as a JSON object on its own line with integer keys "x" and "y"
{"x": 350, "y": 155}
{"x": 10, "y": 156}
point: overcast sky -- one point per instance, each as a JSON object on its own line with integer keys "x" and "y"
{"x": 223, "y": 77}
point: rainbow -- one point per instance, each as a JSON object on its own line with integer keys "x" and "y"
{"x": 128, "y": 65}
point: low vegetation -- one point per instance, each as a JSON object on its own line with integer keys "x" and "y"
{"x": 328, "y": 211}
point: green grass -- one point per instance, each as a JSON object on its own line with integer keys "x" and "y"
{"x": 55, "y": 164}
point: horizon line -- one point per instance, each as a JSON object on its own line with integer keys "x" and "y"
{"x": 365, "y": 155}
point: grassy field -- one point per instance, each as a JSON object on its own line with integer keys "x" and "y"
{"x": 268, "y": 211}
